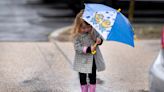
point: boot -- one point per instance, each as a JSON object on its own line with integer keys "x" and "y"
{"x": 84, "y": 88}
{"x": 92, "y": 88}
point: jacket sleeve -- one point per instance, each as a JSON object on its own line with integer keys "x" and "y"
{"x": 79, "y": 47}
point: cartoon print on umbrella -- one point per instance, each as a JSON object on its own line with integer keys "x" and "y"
{"x": 104, "y": 25}
{"x": 97, "y": 18}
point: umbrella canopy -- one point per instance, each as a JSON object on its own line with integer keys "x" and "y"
{"x": 109, "y": 23}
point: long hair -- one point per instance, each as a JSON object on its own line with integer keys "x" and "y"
{"x": 77, "y": 23}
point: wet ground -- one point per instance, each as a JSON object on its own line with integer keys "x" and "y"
{"x": 47, "y": 67}
{"x": 21, "y": 21}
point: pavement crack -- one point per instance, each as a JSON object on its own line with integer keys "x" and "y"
{"x": 44, "y": 56}
{"x": 69, "y": 61}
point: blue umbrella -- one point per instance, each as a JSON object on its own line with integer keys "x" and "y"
{"x": 111, "y": 24}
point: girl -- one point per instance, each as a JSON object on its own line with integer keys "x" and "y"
{"x": 85, "y": 62}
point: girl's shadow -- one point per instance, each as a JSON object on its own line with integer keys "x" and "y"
{"x": 99, "y": 81}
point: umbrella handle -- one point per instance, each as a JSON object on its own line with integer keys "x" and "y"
{"x": 94, "y": 52}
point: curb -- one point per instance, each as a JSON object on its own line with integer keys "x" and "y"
{"x": 56, "y": 33}
{"x": 52, "y": 38}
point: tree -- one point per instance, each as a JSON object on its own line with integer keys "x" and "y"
{"x": 131, "y": 10}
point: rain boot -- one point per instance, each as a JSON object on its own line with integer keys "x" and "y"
{"x": 92, "y": 88}
{"x": 84, "y": 88}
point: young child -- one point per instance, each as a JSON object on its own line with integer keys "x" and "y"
{"x": 85, "y": 62}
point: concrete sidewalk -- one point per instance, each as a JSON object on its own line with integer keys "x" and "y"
{"x": 126, "y": 67}
{"x": 35, "y": 67}
{"x": 47, "y": 67}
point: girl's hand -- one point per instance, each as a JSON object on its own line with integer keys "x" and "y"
{"x": 93, "y": 48}
{"x": 98, "y": 40}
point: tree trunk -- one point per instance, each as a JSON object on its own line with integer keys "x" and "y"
{"x": 131, "y": 10}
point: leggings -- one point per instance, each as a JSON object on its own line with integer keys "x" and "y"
{"x": 92, "y": 76}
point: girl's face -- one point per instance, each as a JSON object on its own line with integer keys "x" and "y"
{"x": 85, "y": 27}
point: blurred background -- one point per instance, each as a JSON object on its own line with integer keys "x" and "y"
{"x": 34, "y": 20}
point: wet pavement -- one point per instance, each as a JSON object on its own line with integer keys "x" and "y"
{"x": 127, "y": 68}
{"x": 35, "y": 67}
{"x": 20, "y": 21}
{"x": 47, "y": 67}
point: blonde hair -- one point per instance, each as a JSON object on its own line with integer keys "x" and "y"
{"x": 77, "y": 24}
